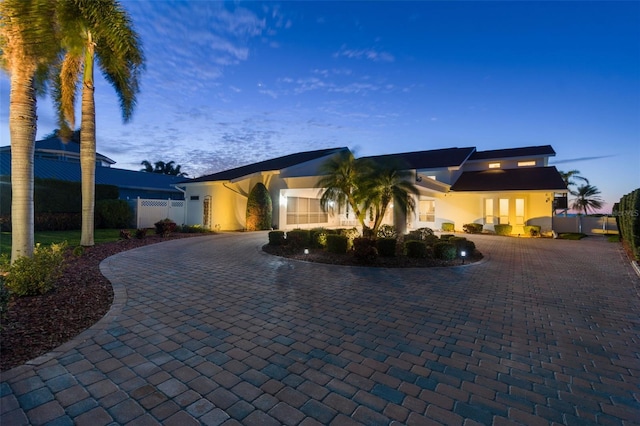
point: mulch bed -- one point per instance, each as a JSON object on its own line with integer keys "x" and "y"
{"x": 37, "y": 324}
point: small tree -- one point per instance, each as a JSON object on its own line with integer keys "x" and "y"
{"x": 259, "y": 209}
{"x": 587, "y": 198}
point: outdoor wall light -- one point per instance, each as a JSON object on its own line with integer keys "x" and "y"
{"x": 306, "y": 251}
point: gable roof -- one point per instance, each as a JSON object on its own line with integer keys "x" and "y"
{"x": 522, "y": 179}
{"x": 267, "y": 165}
{"x": 70, "y": 171}
{"x": 432, "y": 159}
{"x": 527, "y": 151}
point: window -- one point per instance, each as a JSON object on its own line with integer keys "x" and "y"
{"x": 504, "y": 211}
{"x": 194, "y": 198}
{"x": 519, "y": 211}
{"x": 526, "y": 163}
{"x": 301, "y": 211}
{"x": 427, "y": 211}
{"x": 494, "y": 165}
{"x": 432, "y": 177}
{"x": 488, "y": 211}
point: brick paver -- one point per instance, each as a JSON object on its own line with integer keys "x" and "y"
{"x": 213, "y": 331}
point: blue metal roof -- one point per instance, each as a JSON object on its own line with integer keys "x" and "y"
{"x": 126, "y": 179}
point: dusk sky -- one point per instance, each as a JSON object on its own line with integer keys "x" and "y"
{"x": 227, "y": 84}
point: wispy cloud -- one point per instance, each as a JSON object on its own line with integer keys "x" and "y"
{"x": 369, "y": 54}
{"x": 579, "y": 159}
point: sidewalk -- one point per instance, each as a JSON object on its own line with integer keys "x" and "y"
{"x": 213, "y": 331}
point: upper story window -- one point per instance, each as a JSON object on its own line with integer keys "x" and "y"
{"x": 494, "y": 165}
{"x": 526, "y": 163}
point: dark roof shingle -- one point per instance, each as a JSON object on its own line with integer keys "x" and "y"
{"x": 522, "y": 179}
{"x": 431, "y": 159}
{"x": 267, "y": 165}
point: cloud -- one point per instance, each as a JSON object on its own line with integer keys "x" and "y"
{"x": 577, "y": 160}
{"x": 369, "y": 54}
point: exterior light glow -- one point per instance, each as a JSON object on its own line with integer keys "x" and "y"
{"x": 306, "y": 251}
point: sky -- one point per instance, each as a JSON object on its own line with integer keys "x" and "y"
{"x": 228, "y": 84}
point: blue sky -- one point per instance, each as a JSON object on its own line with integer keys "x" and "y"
{"x": 232, "y": 83}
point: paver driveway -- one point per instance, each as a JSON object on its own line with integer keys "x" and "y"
{"x": 211, "y": 330}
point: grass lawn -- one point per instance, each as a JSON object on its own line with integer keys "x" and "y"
{"x": 71, "y": 237}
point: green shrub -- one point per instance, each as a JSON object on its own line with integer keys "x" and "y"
{"x": 36, "y": 275}
{"x": 503, "y": 229}
{"x": 387, "y": 231}
{"x": 165, "y": 227}
{"x": 532, "y": 230}
{"x": 448, "y": 227}
{"x": 415, "y": 249}
{"x": 259, "y": 209}
{"x": 318, "y": 237}
{"x": 430, "y": 240}
{"x": 337, "y": 243}
{"x": 365, "y": 251}
{"x": 298, "y": 239}
{"x": 462, "y": 244}
{"x": 193, "y": 229}
{"x": 412, "y": 236}
{"x": 472, "y": 228}
{"x": 444, "y": 250}
{"x": 351, "y": 234}
{"x": 125, "y": 234}
{"x": 445, "y": 237}
{"x": 386, "y": 246}
{"x": 57, "y": 221}
{"x": 141, "y": 233}
{"x": 112, "y": 214}
{"x": 276, "y": 238}
{"x": 78, "y": 251}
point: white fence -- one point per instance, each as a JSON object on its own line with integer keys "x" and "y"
{"x": 148, "y": 212}
{"x": 590, "y": 225}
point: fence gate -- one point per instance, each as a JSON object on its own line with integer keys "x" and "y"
{"x": 149, "y": 212}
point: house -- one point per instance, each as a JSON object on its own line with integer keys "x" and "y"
{"x": 55, "y": 159}
{"x": 456, "y": 185}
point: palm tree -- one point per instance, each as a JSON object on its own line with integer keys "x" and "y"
{"x": 587, "y": 199}
{"x": 28, "y": 46}
{"x": 341, "y": 183}
{"x": 102, "y": 30}
{"x": 163, "y": 168}
{"x": 569, "y": 176}
{"x": 384, "y": 184}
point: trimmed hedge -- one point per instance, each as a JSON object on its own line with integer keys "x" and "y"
{"x": 298, "y": 239}
{"x": 276, "y": 238}
{"x": 259, "y": 209}
{"x": 472, "y": 228}
{"x": 415, "y": 249}
{"x": 111, "y": 214}
{"x": 445, "y": 250}
{"x": 386, "y": 246}
{"x": 337, "y": 243}
{"x": 532, "y": 230}
{"x": 448, "y": 227}
{"x": 503, "y": 229}
{"x": 365, "y": 251}
{"x": 627, "y": 213}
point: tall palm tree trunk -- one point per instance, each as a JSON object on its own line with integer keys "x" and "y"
{"x": 22, "y": 128}
{"x": 88, "y": 148}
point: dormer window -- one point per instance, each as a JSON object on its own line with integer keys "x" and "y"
{"x": 526, "y": 163}
{"x": 494, "y": 165}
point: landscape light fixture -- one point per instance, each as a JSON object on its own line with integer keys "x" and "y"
{"x": 462, "y": 255}
{"x": 306, "y": 251}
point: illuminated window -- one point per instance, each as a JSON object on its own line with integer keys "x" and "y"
{"x": 526, "y": 163}
{"x": 427, "y": 211}
{"x": 432, "y": 177}
{"x": 519, "y": 211}
{"x": 494, "y": 165}
{"x": 504, "y": 211}
{"x": 301, "y": 211}
{"x": 488, "y": 211}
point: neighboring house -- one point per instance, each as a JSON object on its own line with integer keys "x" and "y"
{"x": 457, "y": 185}
{"x": 54, "y": 159}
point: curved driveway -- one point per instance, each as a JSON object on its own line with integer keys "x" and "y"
{"x": 212, "y": 331}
